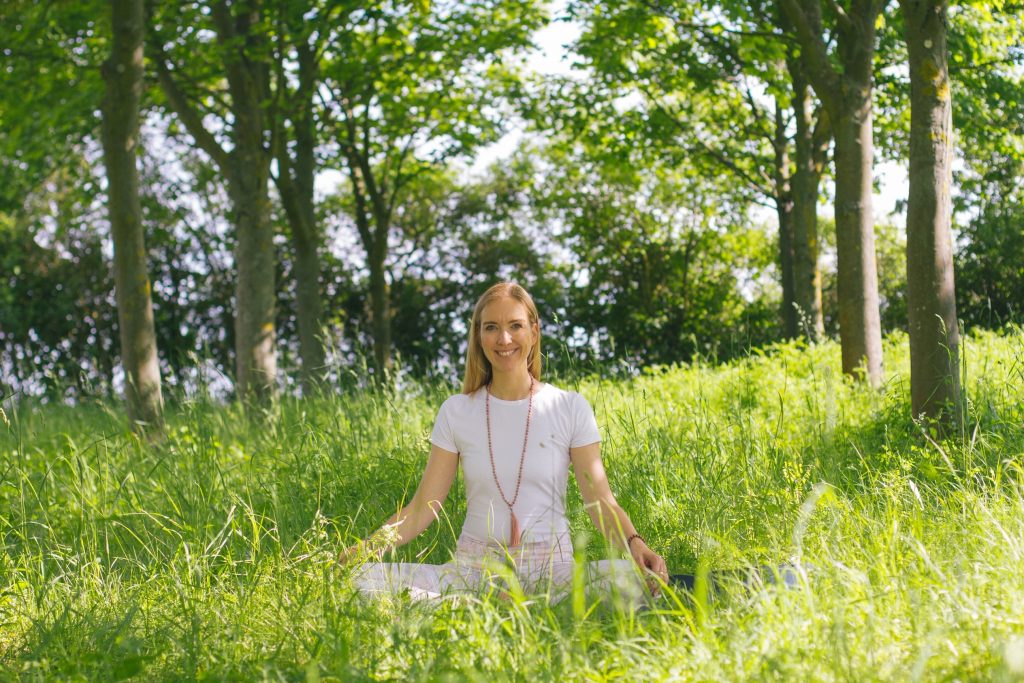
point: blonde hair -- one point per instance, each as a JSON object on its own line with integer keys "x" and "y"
{"x": 478, "y": 368}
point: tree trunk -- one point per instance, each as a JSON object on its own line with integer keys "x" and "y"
{"x": 857, "y": 277}
{"x": 846, "y": 95}
{"x": 297, "y": 198}
{"x": 784, "y": 209}
{"x": 255, "y": 338}
{"x": 380, "y": 306}
{"x": 805, "y": 184}
{"x": 375, "y": 242}
{"x": 308, "y": 302}
{"x": 247, "y": 170}
{"x": 255, "y": 350}
{"x": 931, "y": 300}
{"x": 123, "y": 74}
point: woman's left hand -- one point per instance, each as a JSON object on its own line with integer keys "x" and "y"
{"x": 650, "y": 562}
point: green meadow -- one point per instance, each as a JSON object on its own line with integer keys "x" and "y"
{"x": 209, "y": 554}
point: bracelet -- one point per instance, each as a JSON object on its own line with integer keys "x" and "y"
{"x": 633, "y": 537}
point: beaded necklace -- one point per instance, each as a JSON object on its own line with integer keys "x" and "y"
{"x": 514, "y": 537}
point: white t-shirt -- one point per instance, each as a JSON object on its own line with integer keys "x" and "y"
{"x": 561, "y": 420}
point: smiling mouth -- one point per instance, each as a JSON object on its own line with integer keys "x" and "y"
{"x": 505, "y": 354}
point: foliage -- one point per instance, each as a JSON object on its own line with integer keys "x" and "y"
{"x": 631, "y": 223}
{"x": 990, "y": 266}
{"x": 667, "y": 270}
{"x": 51, "y": 55}
{"x": 210, "y": 555}
{"x": 682, "y": 82}
{"x": 57, "y": 320}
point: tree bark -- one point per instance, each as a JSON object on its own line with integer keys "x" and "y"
{"x": 247, "y": 72}
{"x": 931, "y": 299}
{"x": 374, "y": 235}
{"x": 380, "y": 306}
{"x": 123, "y": 74}
{"x": 846, "y": 96}
{"x": 247, "y": 170}
{"x": 372, "y": 200}
{"x": 295, "y": 182}
{"x": 784, "y": 209}
{"x": 857, "y": 278}
{"x": 809, "y": 158}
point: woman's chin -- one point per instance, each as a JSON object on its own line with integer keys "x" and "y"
{"x": 508, "y": 363}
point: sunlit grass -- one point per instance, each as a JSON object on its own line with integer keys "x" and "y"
{"x": 210, "y": 555}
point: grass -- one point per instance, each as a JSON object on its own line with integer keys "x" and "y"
{"x": 208, "y": 556}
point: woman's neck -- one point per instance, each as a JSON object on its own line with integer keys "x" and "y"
{"x": 511, "y": 387}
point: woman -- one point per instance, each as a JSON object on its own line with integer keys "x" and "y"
{"x": 515, "y": 438}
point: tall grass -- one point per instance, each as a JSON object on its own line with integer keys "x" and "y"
{"x": 209, "y": 555}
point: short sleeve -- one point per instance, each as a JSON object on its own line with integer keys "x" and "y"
{"x": 585, "y": 431}
{"x": 443, "y": 435}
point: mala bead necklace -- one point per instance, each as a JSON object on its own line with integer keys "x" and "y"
{"x": 514, "y": 536}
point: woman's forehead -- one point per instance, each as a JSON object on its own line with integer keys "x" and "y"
{"x": 504, "y": 309}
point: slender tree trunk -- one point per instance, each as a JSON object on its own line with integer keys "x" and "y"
{"x": 123, "y": 74}
{"x": 784, "y": 210}
{"x": 255, "y": 350}
{"x": 255, "y": 337}
{"x": 299, "y": 210}
{"x": 847, "y": 94}
{"x": 309, "y": 304}
{"x": 805, "y": 184}
{"x": 297, "y": 198}
{"x": 931, "y": 300}
{"x": 857, "y": 278}
{"x": 380, "y": 305}
{"x": 375, "y": 241}
{"x": 247, "y": 170}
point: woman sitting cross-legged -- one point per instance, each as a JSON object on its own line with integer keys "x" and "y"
{"x": 515, "y": 438}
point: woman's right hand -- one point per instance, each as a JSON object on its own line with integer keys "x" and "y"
{"x": 349, "y": 554}
{"x": 361, "y": 550}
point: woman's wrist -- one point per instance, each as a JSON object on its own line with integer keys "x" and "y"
{"x": 633, "y": 538}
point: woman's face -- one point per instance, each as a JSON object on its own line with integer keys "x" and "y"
{"x": 506, "y": 334}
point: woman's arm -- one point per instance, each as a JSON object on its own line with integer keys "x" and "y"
{"x": 421, "y": 511}
{"x": 605, "y": 511}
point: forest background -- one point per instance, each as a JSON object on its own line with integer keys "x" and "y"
{"x": 296, "y": 209}
{"x": 256, "y": 228}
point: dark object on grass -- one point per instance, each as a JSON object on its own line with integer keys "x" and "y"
{"x": 786, "y": 575}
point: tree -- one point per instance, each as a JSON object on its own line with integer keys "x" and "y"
{"x": 986, "y": 49}
{"x": 413, "y": 86}
{"x": 724, "y": 75}
{"x": 845, "y": 90}
{"x": 665, "y": 266}
{"x": 931, "y": 293}
{"x": 57, "y": 326}
{"x": 811, "y": 140}
{"x": 241, "y": 57}
{"x": 58, "y": 320}
{"x": 123, "y": 74}
{"x": 299, "y": 48}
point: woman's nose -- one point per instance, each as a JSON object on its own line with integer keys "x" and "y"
{"x": 505, "y": 336}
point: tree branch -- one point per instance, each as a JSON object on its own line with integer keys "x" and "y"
{"x": 188, "y": 115}
{"x": 842, "y": 18}
{"x": 711, "y": 31}
{"x": 706, "y": 149}
{"x": 821, "y": 138}
{"x": 813, "y": 52}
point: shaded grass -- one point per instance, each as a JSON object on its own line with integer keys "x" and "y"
{"x": 210, "y": 555}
